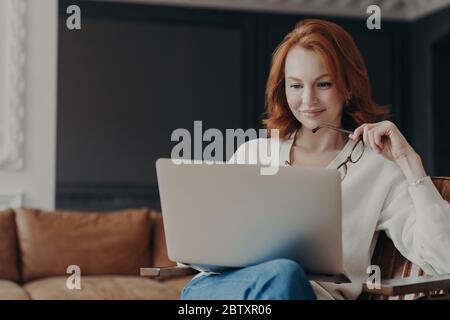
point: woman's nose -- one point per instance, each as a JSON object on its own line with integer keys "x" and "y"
{"x": 309, "y": 97}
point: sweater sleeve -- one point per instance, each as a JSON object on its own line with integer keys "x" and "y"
{"x": 417, "y": 219}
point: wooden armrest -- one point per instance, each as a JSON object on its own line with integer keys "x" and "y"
{"x": 395, "y": 287}
{"x": 175, "y": 271}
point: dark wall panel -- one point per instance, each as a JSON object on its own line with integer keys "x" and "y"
{"x": 125, "y": 86}
{"x": 426, "y": 34}
{"x": 441, "y": 105}
{"x": 127, "y": 80}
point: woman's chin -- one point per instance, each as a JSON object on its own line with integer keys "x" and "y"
{"x": 310, "y": 123}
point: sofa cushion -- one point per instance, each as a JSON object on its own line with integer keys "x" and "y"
{"x": 114, "y": 243}
{"x": 159, "y": 246}
{"x": 8, "y": 247}
{"x": 178, "y": 283}
{"x": 12, "y": 291}
{"x": 101, "y": 288}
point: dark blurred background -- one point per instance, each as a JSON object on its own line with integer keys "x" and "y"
{"x": 137, "y": 71}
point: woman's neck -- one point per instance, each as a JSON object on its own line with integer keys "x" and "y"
{"x": 322, "y": 141}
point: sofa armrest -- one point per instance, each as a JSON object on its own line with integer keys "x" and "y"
{"x": 168, "y": 272}
{"x": 395, "y": 287}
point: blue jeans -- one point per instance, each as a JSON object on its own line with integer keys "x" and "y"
{"x": 279, "y": 279}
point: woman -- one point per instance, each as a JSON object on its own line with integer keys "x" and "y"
{"x": 318, "y": 80}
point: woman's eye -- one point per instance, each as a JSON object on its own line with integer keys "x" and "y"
{"x": 324, "y": 85}
{"x": 296, "y": 86}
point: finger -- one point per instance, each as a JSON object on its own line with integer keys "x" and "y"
{"x": 378, "y": 141}
{"x": 366, "y": 135}
{"x": 372, "y": 143}
{"x": 357, "y": 132}
{"x": 354, "y": 134}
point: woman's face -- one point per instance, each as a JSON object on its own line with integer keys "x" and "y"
{"x": 311, "y": 95}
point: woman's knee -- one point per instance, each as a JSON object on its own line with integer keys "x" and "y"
{"x": 285, "y": 267}
{"x": 281, "y": 269}
{"x": 188, "y": 292}
{"x": 288, "y": 281}
{"x": 224, "y": 286}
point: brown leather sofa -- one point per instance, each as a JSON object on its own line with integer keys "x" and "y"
{"x": 37, "y": 247}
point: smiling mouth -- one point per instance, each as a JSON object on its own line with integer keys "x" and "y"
{"x": 313, "y": 113}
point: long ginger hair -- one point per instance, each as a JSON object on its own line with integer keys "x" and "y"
{"x": 344, "y": 63}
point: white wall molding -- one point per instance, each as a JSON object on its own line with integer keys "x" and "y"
{"x": 28, "y": 87}
{"x": 400, "y": 10}
{"x": 10, "y": 199}
{"x": 12, "y": 104}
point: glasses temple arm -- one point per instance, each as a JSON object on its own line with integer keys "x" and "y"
{"x": 331, "y": 127}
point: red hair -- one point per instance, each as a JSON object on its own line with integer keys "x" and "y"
{"x": 343, "y": 62}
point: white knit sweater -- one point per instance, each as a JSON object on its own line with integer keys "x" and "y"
{"x": 376, "y": 196}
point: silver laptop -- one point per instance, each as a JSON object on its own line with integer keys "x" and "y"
{"x": 223, "y": 216}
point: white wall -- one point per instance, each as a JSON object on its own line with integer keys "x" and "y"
{"x": 36, "y": 180}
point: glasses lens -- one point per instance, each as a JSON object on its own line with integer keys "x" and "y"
{"x": 342, "y": 170}
{"x": 357, "y": 152}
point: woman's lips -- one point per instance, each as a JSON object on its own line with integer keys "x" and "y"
{"x": 313, "y": 113}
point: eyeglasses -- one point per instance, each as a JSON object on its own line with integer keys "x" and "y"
{"x": 355, "y": 154}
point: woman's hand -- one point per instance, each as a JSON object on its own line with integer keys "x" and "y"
{"x": 384, "y": 138}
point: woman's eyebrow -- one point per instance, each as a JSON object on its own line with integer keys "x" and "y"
{"x": 298, "y": 79}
